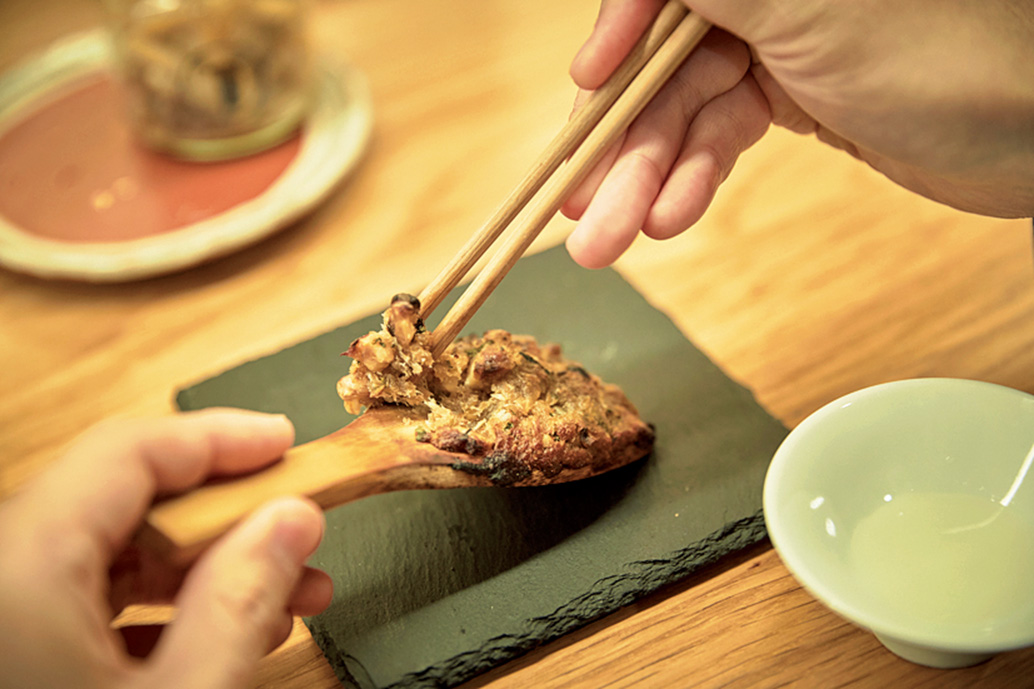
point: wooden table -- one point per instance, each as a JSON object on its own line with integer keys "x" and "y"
{"x": 811, "y": 277}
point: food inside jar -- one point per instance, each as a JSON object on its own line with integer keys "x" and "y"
{"x": 212, "y": 70}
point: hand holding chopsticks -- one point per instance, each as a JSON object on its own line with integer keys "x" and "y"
{"x": 582, "y": 142}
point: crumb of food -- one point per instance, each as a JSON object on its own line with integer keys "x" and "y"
{"x": 518, "y": 408}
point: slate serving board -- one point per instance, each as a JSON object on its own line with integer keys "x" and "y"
{"x": 434, "y": 587}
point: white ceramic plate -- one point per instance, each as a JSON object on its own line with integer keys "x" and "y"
{"x": 333, "y": 140}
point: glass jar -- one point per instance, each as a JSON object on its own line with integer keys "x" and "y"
{"x": 214, "y": 79}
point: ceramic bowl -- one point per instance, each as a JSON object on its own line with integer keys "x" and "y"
{"x": 904, "y": 508}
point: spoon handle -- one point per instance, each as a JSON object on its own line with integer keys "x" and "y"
{"x": 374, "y": 454}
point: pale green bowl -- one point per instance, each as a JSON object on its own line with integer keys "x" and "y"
{"x": 943, "y": 574}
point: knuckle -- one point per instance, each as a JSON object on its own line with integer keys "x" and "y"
{"x": 647, "y": 170}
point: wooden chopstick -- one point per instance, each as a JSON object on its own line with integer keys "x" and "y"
{"x": 558, "y": 150}
{"x": 540, "y": 209}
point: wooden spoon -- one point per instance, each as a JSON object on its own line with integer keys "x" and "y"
{"x": 376, "y": 453}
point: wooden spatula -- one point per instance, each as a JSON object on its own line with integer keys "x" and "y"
{"x": 376, "y": 453}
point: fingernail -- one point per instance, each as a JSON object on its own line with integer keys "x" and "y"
{"x": 272, "y": 419}
{"x": 268, "y": 424}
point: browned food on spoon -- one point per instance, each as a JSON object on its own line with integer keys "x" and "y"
{"x": 524, "y": 413}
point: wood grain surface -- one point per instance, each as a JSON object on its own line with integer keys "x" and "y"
{"x": 811, "y": 277}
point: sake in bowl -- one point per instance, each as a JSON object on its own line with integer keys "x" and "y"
{"x": 907, "y": 508}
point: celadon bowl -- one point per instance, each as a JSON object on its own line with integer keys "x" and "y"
{"x": 907, "y": 509}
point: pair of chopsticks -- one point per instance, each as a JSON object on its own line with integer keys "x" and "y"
{"x": 582, "y": 142}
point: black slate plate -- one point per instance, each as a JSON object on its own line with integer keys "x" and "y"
{"x": 433, "y": 587}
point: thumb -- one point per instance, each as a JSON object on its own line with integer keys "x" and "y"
{"x": 234, "y": 601}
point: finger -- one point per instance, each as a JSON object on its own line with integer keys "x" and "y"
{"x": 313, "y": 593}
{"x": 785, "y": 111}
{"x": 577, "y": 201}
{"x": 716, "y": 66}
{"x": 311, "y": 597}
{"x": 619, "y": 25}
{"x": 657, "y": 134}
{"x": 142, "y": 579}
{"x": 234, "y": 602}
{"x": 111, "y": 474}
{"x": 622, "y": 201}
{"x": 281, "y": 631}
{"x": 612, "y": 220}
{"x": 580, "y": 198}
{"x": 721, "y": 131}
{"x": 140, "y": 640}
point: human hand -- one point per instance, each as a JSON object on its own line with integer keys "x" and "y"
{"x": 69, "y": 566}
{"x": 935, "y": 94}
